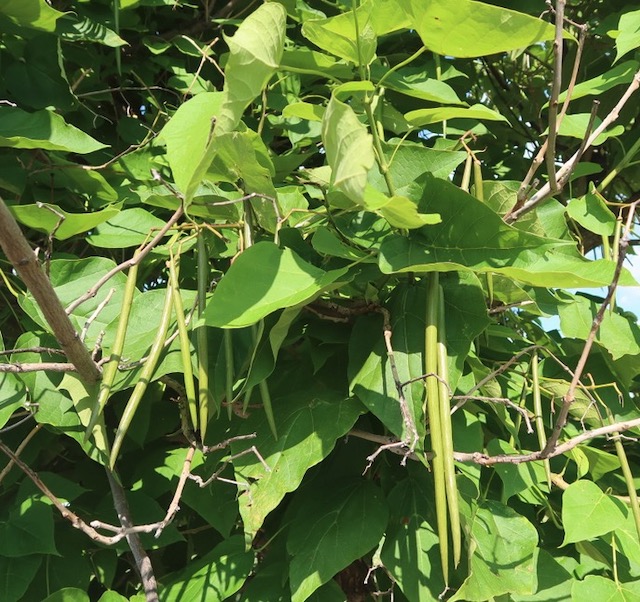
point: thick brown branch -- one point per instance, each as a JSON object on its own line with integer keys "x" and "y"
{"x": 23, "y": 259}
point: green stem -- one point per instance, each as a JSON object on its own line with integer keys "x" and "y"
{"x": 435, "y": 421}
{"x": 111, "y": 367}
{"x": 185, "y": 345}
{"x": 400, "y": 65}
{"x": 622, "y": 164}
{"x": 205, "y": 397}
{"x": 537, "y": 409}
{"x": 447, "y": 433}
{"x": 145, "y": 376}
{"x": 228, "y": 360}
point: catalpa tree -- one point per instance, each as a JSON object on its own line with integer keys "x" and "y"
{"x": 313, "y": 300}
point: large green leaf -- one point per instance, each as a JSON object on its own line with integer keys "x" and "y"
{"x": 21, "y": 572}
{"x": 36, "y": 14}
{"x": 187, "y": 135}
{"x": 263, "y": 279}
{"x": 309, "y": 423}
{"x": 255, "y": 52}
{"x": 588, "y": 512}
{"x": 617, "y": 333}
{"x": 592, "y": 213}
{"x": 52, "y": 219}
{"x": 128, "y": 228}
{"x": 628, "y": 34}
{"x": 215, "y": 576}
{"x": 68, "y": 594}
{"x": 28, "y": 530}
{"x": 503, "y": 550}
{"x": 596, "y": 587}
{"x": 45, "y": 130}
{"x": 71, "y": 278}
{"x": 473, "y": 237}
{"x": 411, "y": 552}
{"x": 422, "y": 117}
{"x": 468, "y": 29}
{"x": 349, "y": 36}
{"x": 621, "y": 74}
{"x": 417, "y": 84}
{"x": 349, "y": 149}
{"x": 370, "y": 373}
{"x": 332, "y": 531}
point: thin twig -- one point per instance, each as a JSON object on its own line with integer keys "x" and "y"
{"x": 137, "y": 258}
{"x": 569, "y": 396}
{"x": 567, "y": 169}
{"x": 30, "y": 435}
{"x": 38, "y": 367}
{"x": 96, "y": 313}
{"x": 558, "y": 45}
{"x": 18, "y": 251}
{"x": 143, "y": 562}
{"x": 50, "y": 350}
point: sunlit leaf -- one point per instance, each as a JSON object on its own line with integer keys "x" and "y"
{"x": 45, "y": 130}
{"x": 588, "y": 512}
{"x": 333, "y": 531}
{"x": 467, "y": 28}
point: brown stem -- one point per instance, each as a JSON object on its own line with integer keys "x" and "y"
{"x": 23, "y": 259}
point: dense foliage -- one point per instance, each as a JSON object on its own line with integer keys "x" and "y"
{"x": 337, "y": 340}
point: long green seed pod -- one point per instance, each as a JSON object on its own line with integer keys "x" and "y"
{"x": 537, "y": 409}
{"x": 435, "y": 422}
{"x": 204, "y": 391}
{"x": 229, "y": 369}
{"x": 111, "y": 367}
{"x": 145, "y": 375}
{"x": 185, "y": 345}
{"x": 447, "y": 433}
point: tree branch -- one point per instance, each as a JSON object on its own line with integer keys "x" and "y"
{"x": 24, "y": 261}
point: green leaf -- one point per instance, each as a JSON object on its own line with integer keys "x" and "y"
{"x": 128, "y": 228}
{"x": 304, "y": 110}
{"x": 554, "y": 581}
{"x": 74, "y": 28}
{"x": 71, "y": 278}
{"x": 262, "y": 280}
{"x": 188, "y": 135}
{"x": 51, "y": 218}
{"x": 28, "y": 530}
{"x": 411, "y": 552}
{"x": 409, "y": 161}
{"x": 309, "y": 423}
{"x": 593, "y": 214}
{"x": 331, "y": 532}
{"x": 38, "y": 81}
{"x": 503, "y": 554}
{"x": 45, "y": 130}
{"x": 469, "y": 29}
{"x": 422, "y": 117}
{"x": 628, "y": 35}
{"x": 35, "y": 14}
{"x": 388, "y": 16}
{"x": 618, "y": 334}
{"x": 595, "y": 587}
{"x": 416, "y": 83}
{"x": 575, "y": 126}
{"x": 341, "y": 36}
{"x": 527, "y": 477}
{"x": 69, "y": 594}
{"x": 111, "y": 596}
{"x": 84, "y": 400}
{"x": 215, "y": 576}
{"x": 621, "y": 74}
{"x": 349, "y": 149}
{"x": 587, "y": 512}
{"x": 304, "y": 60}
{"x": 255, "y": 53}
{"x": 473, "y": 237}
{"x": 18, "y": 574}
